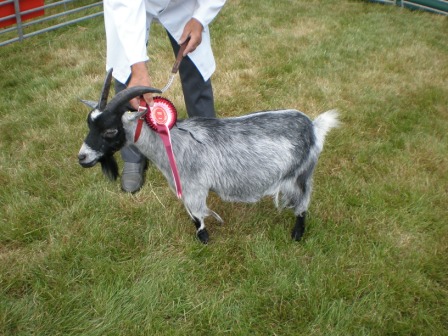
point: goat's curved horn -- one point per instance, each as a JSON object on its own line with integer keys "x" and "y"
{"x": 128, "y": 94}
{"x": 105, "y": 91}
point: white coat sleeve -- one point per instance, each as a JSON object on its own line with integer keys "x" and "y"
{"x": 207, "y": 10}
{"x": 125, "y": 24}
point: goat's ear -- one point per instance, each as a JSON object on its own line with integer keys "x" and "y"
{"x": 89, "y": 103}
{"x": 132, "y": 116}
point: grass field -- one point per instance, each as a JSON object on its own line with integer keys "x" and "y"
{"x": 79, "y": 257}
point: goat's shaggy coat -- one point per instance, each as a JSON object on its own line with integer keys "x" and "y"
{"x": 270, "y": 153}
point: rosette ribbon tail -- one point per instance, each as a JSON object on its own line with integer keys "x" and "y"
{"x": 161, "y": 117}
{"x": 164, "y": 133}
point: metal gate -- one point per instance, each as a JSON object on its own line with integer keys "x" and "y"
{"x": 20, "y": 19}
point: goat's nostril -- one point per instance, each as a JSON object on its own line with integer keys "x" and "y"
{"x": 82, "y": 157}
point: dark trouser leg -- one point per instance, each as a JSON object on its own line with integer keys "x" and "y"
{"x": 198, "y": 94}
{"x": 132, "y": 178}
{"x": 128, "y": 153}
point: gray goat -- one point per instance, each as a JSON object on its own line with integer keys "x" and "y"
{"x": 241, "y": 159}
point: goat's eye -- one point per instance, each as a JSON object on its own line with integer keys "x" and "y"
{"x": 110, "y": 133}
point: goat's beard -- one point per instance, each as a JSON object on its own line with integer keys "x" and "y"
{"x": 109, "y": 167}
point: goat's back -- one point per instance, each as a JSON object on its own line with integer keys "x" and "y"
{"x": 288, "y": 124}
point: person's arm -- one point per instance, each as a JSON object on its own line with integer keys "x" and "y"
{"x": 125, "y": 22}
{"x": 207, "y": 10}
{"x": 140, "y": 77}
{"x": 202, "y": 17}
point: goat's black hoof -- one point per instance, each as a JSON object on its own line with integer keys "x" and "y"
{"x": 297, "y": 233}
{"x": 299, "y": 228}
{"x": 203, "y": 236}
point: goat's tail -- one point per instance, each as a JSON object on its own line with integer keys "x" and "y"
{"x": 322, "y": 124}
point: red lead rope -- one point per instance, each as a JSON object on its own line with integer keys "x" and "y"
{"x": 161, "y": 118}
{"x": 140, "y": 120}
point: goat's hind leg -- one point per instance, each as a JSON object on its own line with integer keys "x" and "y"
{"x": 297, "y": 195}
{"x": 302, "y": 200}
{"x": 299, "y": 227}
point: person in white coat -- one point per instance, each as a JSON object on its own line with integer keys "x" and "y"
{"x": 127, "y": 24}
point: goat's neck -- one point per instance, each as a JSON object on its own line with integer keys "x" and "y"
{"x": 150, "y": 145}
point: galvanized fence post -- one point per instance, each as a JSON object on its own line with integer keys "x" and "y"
{"x": 18, "y": 19}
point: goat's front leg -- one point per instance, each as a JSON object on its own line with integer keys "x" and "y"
{"x": 299, "y": 227}
{"x": 201, "y": 231}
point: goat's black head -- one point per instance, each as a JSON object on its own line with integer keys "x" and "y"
{"x": 106, "y": 133}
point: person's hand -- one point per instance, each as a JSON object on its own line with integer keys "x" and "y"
{"x": 140, "y": 77}
{"x": 192, "y": 29}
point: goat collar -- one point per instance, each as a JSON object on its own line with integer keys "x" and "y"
{"x": 138, "y": 130}
{"x": 161, "y": 117}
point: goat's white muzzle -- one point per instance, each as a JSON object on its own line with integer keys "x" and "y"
{"x": 87, "y": 156}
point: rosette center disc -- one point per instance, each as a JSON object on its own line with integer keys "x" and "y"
{"x": 161, "y": 113}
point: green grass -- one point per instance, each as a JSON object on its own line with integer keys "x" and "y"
{"x": 79, "y": 257}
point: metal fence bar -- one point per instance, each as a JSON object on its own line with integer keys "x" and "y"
{"x": 52, "y": 5}
{"x": 19, "y": 25}
{"x": 55, "y": 16}
{"x": 51, "y": 28}
{"x": 29, "y": 11}
{"x": 439, "y": 6}
{"x": 52, "y": 17}
{"x": 435, "y": 6}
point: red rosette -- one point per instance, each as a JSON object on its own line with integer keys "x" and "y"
{"x": 161, "y": 113}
